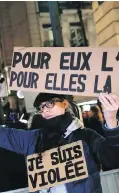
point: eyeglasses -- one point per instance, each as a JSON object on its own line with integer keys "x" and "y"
{"x": 49, "y": 104}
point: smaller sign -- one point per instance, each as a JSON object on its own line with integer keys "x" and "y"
{"x": 3, "y": 87}
{"x": 56, "y": 166}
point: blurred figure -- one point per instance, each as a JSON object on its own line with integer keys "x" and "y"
{"x": 11, "y": 110}
{"x": 85, "y": 118}
{"x": 15, "y": 111}
{"x": 95, "y": 119}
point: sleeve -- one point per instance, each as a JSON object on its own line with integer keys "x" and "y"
{"x": 105, "y": 149}
{"x": 16, "y": 140}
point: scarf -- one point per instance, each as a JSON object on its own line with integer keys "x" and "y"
{"x": 54, "y": 132}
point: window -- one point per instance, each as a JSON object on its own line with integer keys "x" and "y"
{"x": 48, "y": 35}
{"x": 76, "y": 36}
{"x": 63, "y": 5}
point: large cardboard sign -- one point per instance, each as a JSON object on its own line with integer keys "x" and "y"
{"x": 76, "y": 71}
{"x": 56, "y": 166}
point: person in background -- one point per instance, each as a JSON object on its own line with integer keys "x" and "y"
{"x": 11, "y": 110}
{"x": 15, "y": 111}
{"x": 95, "y": 119}
{"x": 85, "y": 118}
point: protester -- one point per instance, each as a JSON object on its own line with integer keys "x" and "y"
{"x": 33, "y": 122}
{"x": 95, "y": 120}
{"x": 59, "y": 126}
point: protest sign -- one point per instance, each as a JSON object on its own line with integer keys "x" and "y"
{"x": 77, "y": 71}
{"x": 56, "y": 166}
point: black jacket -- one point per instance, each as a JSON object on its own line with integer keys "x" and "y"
{"x": 96, "y": 125}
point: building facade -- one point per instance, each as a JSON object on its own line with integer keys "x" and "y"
{"x": 106, "y": 18}
{"x": 25, "y": 24}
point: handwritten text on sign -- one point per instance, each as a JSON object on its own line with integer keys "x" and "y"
{"x": 56, "y": 166}
{"x": 85, "y": 71}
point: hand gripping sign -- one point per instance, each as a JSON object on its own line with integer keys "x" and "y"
{"x": 56, "y": 166}
{"x": 77, "y": 71}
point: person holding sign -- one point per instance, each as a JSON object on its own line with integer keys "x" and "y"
{"x": 58, "y": 127}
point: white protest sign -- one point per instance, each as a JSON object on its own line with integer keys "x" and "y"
{"x": 56, "y": 166}
{"x": 77, "y": 71}
{"x": 3, "y": 88}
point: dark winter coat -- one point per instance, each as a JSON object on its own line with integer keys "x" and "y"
{"x": 96, "y": 150}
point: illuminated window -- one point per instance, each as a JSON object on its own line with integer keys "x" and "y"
{"x": 48, "y": 35}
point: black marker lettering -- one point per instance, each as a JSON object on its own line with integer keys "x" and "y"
{"x": 78, "y": 168}
{"x": 31, "y": 166}
{"x": 33, "y": 180}
{"x": 16, "y": 58}
{"x": 86, "y": 61}
{"x": 43, "y": 182}
{"x": 80, "y": 81}
{"x": 104, "y": 62}
{"x": 52, "y": 176}
{"x": 48, "y": 81}
{"x": 54, "y": 157}
{"x": 63, "y": 60}
{"x": 69, "y": 171}
{"x": 96, "y": 85}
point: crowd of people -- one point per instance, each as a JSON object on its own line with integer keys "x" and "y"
{"x": 12, "y": 165}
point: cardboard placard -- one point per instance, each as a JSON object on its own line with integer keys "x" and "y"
{"x": 77, "y": 71}
{"x": 56, "y": 166}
